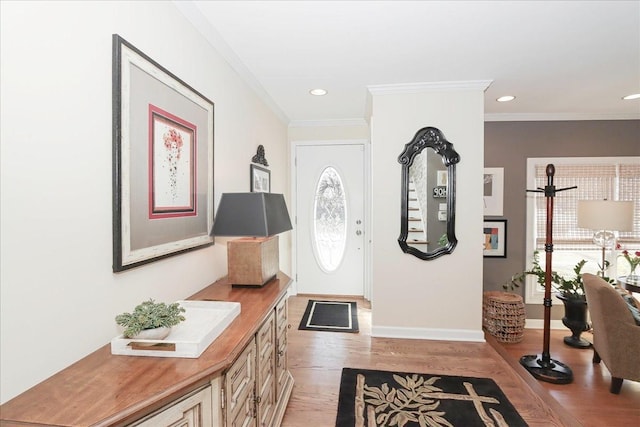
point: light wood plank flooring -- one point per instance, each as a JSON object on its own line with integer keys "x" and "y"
{"x": 316, "y": 360}
{"x": 587, "y": 398}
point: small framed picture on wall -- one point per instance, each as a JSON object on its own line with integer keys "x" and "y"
{"x": 493, "y": 191}
{"x": 260, "y": 179}
{"x": 495, "y": 238}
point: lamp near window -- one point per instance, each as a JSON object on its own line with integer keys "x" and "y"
{"x": 258, "y": 217}
{"x": 605, "y": 216}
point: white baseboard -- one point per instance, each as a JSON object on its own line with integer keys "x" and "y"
{"x": 428, "y": 333}
{"x": 539, "y": 324}
{"x": 450, "y": 334}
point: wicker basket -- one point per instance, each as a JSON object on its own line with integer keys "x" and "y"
{"x": 503, "y": 316}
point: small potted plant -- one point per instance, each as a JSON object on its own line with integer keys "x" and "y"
{"x": 568, "y": 288}
{"x": 151, "y": 320}
{"x": 570, "y": 292}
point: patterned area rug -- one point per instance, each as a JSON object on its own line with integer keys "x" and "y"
{"x": 333, "y": 316}
{"x": 379, "y": 398}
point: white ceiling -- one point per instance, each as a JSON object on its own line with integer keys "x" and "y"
{"x": 561, "y": 59}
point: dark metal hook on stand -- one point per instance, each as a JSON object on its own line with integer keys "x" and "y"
{"x": 542, "y": 366}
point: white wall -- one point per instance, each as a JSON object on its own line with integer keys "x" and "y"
{"x": 442, "y": 298}
{"x": 58, "y": 293}
{"x": 326, "y": 133}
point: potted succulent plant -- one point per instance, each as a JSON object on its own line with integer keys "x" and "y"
{"x": 150, "y": 320}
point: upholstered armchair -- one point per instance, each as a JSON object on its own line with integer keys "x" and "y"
{"x": 616, "y": 337}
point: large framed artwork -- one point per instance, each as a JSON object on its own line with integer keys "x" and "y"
{"x": 495, "y": 238}
{"x": 493, "y": 191}
{"x": 162, "y": 161}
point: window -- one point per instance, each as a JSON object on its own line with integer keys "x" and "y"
{"x": 612, "y": 178}
{"x": 330, "y": 220}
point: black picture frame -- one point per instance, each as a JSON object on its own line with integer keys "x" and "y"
{"x": 260, "y": 179}
{"x": 433, "y": 141}
{"x": 163, "y": 148}
{"x": 495, "y": 238}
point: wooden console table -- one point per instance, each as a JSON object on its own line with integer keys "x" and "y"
{"x": 112, "y": 390}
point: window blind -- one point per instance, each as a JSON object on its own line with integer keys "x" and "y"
{"x": 630, "y": 190}
{"x": 615, "y": 181}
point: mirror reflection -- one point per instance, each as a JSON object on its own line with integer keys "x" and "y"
{"x": 427, "y": 228}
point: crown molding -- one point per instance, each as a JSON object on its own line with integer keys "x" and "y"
{"x": 547, "y": 117}
{"x": 193, "y": 15}
{"x": 490, "y": 117}
{"x": 390, "y": 89}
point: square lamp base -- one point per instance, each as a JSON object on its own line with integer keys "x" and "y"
{"x": 252, "y": 261}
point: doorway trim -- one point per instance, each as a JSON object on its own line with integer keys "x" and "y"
{"x": 367, "y": 207}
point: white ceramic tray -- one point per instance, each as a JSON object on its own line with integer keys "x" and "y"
{"x": 205, "y": 321}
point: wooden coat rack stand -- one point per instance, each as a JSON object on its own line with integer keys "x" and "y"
{"x": 542, "y": 366}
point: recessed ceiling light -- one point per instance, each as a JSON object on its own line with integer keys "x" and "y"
{"x": 318, "y": 92}
{"x": 506, "y": 98}
{"x": 634, "y": 96}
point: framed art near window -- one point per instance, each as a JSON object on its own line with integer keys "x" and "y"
{"x": 260, "y": 179}
{"x": 493, "y": 191}
{"x": 162, "y": 161}
{"x": 495, "y": 238}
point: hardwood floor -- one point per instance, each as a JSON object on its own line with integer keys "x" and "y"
{"x": 316, "y": 360}
{"x": 587, "y": 398}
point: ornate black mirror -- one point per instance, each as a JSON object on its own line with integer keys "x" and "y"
{"x": 427, "y": 218}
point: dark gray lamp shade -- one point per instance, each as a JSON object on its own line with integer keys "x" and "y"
{"x": 251, "y": 214}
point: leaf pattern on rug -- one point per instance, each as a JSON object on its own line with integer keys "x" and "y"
{"x": 416, "y": 400}
{"x": 398, "y": 406}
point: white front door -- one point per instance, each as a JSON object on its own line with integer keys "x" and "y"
{"x": 330, "y": 196}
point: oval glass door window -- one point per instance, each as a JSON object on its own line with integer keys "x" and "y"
{"x": 330, "y": 220}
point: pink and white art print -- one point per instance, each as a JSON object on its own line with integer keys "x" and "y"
{"x": 172, "y": 166}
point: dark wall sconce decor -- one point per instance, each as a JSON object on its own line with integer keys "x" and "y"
{"x": 260, "y": 158}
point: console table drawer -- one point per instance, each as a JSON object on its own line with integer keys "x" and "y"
{"x": 195, "y": 410}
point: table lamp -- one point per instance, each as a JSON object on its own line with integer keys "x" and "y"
{"x": 605, "y": 216}
{"x": 254, "y": 259}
